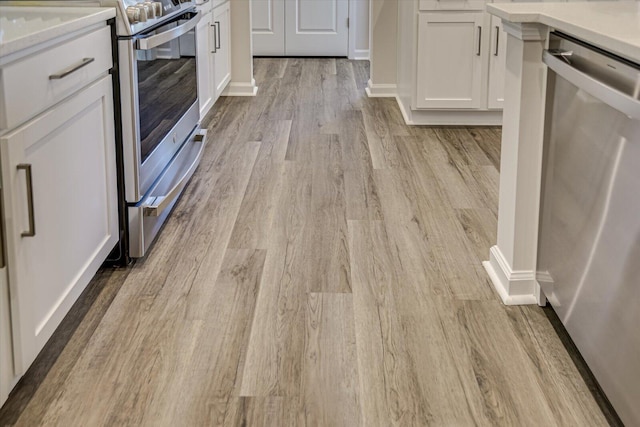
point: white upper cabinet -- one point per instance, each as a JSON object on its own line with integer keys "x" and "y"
{"x": 451, "y": 60}
{"x": 497, "y": 64}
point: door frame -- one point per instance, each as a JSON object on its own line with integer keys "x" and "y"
{"x": 352, "y": 51}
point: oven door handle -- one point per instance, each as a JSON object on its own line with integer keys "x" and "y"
{"x": 155, "y": 205}
{"x": 156, "y": 40}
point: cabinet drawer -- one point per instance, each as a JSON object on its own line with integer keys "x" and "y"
{"x": 29, "y": 86}
{"x": 452, "y": 4}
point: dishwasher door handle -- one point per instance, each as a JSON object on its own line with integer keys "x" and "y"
{"x": 605, "y": 93}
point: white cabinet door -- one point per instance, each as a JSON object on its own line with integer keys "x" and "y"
{"x": 61, "y": 211}
{"x": 206, "y": 84}
{"x": 497, "y": 64}
{"x": 451, "y": 66}
{"x": 316, "y": 28}
{"x": 222, "y": 47}
{"x": 267, "y": 20}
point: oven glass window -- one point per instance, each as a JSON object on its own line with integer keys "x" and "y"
{"x": 167, "y": 87}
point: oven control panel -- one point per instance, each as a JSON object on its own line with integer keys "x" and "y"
{"x": 144, "y": 11}
{"x": 137, "y": 15}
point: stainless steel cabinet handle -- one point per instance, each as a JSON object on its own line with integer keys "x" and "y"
{"x": 215, "y": 39}
{"x": 497, "y": 40}
{"x": 218, "y": 36}
{"x": 32, "y": 219}
{"x": 479, "y": 40}
{"x": 71, "y": 69}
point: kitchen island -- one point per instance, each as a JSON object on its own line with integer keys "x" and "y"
{"x": 568, "y": 229}
{"x": 611, "y": 26}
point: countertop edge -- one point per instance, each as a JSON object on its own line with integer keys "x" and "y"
{"x": 630, "y": 51}
{"x": 99, "y": 14}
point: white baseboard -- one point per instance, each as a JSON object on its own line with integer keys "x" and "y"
{"x": 449, "y": 117}
{"x": 406, "y": 113}
{"x": 241, "y": 89}
{"x": 359, "y": 55}
{"x": 514, "y": 287}
{"x": 381, "y": 90}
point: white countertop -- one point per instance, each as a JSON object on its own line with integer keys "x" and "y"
{"x": 25, "y": 26}
{"x": 612, "y": 26}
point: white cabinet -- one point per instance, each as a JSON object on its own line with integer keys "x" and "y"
{"x": 497, "y": 64}
{"x": 447, "y": 70}
{"x": 213, "y": 54}
{"x": 60, "y": 203}
{"x": 451, "y": 60}
{"x": 221, "y": 21}
{"x": 204, "y": 54}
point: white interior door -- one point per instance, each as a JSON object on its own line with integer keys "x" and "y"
{"x": 300, "y": 27}
{"x": 267, "y": 17}
{"x": 316, "y": 27}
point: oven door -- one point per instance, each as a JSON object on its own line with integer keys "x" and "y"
{"x": 159, "y": 99}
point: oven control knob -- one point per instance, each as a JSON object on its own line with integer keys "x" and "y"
{"x": 158, "y": 8}
{"x": 144, "y": 12}
{"x": 133, "y": 14}
{"x": 150, "y": 8}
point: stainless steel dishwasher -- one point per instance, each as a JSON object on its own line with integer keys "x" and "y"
{"x": 589, "y": 235}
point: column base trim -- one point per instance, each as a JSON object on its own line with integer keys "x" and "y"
{"x": 241, "y": 89}
{"x": 359, "y": 55}
{"x": 381, "y": 91}
{"x": 514, "y": 287}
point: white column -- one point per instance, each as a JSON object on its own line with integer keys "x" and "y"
{"x": 382, "y": 48}
{"x": 242, "y": 81}
{"x": 512, "y": 261}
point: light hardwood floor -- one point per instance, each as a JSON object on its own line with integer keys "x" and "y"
{"x": 323, "y": 268}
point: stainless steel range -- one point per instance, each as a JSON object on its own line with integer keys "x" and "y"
{"x": 161, "y": 139}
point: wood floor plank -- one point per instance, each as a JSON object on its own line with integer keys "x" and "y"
{"x": 384, "y": 152}
{"x": 258, "y": 412}
{"x": 215, "y": 369}
{"x": 570, "y": 402}
{"x": 504, "y": 375}
{"x": 488, "y": 140}
{"x": 480, "y": 228}
{"x": 259, "y": 203}
{"x": 362, "y": 195}
{"x": 326, "y": 234}
{"x": 330, "y": 390}
{"x": 276, "y": 345}
{"x": 391, "y": 394}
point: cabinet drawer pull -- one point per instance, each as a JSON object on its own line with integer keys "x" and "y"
{"x": 71, "y": 69}
{"x": 32, "y": 219}
{"x": 479, "y": 40}
{"x": 497, "y": 40}
{"x": 218, "y": 42}
{"x": 215, "y": 39}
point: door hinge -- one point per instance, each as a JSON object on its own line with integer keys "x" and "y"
{"x": 347, "y": 22}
